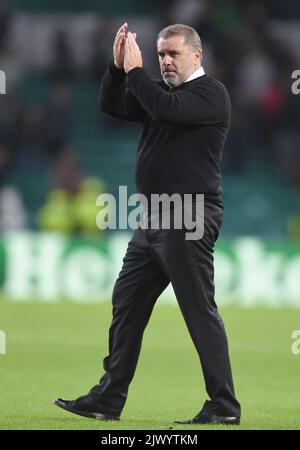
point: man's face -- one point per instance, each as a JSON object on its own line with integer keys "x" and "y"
{"x": 177, "y": 60}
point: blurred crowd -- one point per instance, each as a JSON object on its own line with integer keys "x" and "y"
{"x": 251, "y": 46}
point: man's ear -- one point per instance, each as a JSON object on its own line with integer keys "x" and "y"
{"x": 198, "y": 55}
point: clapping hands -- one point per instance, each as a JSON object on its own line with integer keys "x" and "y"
{"x": 127, "y": 54}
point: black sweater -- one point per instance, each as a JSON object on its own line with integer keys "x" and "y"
{"x": 184, "y": 130}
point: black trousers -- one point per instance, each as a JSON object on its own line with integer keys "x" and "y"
{"x": 153, "y": 259}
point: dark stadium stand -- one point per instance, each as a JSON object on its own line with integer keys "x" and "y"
{"x": 119, "y": 6}
{"x": 255, "y": 200}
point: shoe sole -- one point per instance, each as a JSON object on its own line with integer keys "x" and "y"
{"x": 190, "y": 422}
{"x": 90, "y": 415}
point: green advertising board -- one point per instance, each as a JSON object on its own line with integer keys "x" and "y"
{"x": 53, "y": 267}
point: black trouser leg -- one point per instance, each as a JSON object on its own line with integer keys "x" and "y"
{"x": 140, "y": 283}
{"x": 191, "y": 271}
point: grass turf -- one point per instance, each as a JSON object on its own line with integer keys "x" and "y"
{"x": 56, "y": 350}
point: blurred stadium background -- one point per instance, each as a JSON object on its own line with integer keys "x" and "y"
{"x": 58, "y": 152}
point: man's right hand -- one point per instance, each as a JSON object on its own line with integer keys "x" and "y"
{"x": 119, "y": 46}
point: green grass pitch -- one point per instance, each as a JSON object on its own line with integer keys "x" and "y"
{"x": 57, "y": 349}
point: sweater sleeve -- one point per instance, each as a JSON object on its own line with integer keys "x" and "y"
{"x": 116, "y": 100}
{"x": 198, "y": 104}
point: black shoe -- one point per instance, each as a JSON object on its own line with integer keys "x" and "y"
{"x": 210, "y": 419}
{"x": 86, "y": 406}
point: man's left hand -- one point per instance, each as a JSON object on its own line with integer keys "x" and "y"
{"x": 133, "y": 56}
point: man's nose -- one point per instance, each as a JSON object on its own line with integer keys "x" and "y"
{"x": 167, "y": 60}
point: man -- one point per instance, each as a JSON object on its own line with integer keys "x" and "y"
{"x": 185, "y": 120}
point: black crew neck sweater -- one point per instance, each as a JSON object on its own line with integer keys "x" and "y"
{"x": 184, "y": 130}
